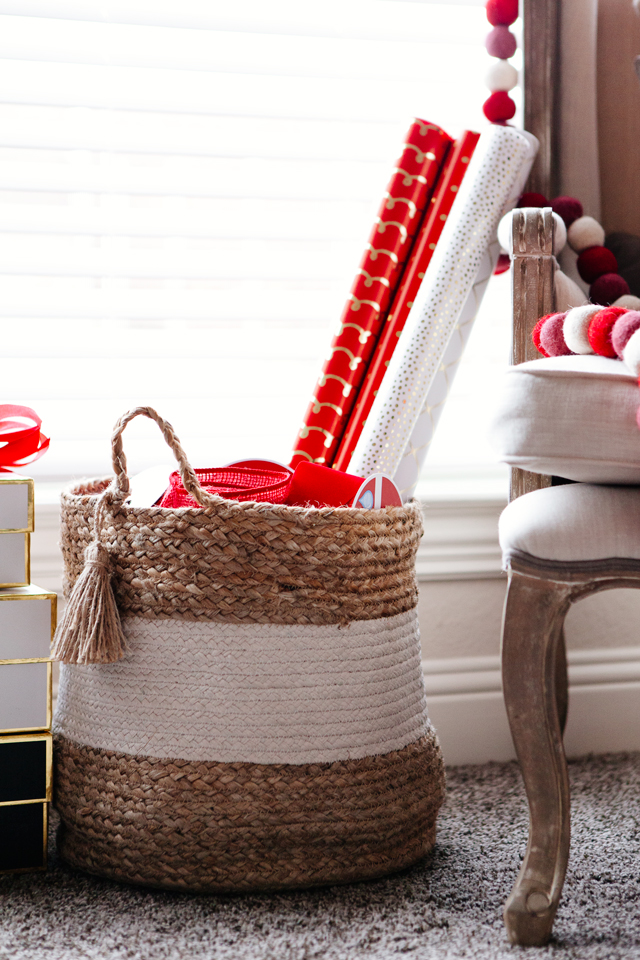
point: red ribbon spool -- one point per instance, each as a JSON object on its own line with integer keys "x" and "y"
{"x": 20, "y": 443}
{"x": 234, "y": 483}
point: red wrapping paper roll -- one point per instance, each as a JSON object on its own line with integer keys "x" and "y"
{"x": 376, "y": 281}
{"x": 445, "y": 193}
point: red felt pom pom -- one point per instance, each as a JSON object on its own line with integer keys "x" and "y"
{"x": 535, "y": 334}
{"x": 607, "y": 288}
{"x": 533, "y": 200}
{"x": 503, "y": 264}
{"x": 568, "y": 208}
{"x": 552, "y": 336}
{"x": 594, "y": 262}
{"x": 501, "y": 43}
{"x": 502, "y": 12}
{"x": 600, "y": 330}
{"x": 499, "y": 106}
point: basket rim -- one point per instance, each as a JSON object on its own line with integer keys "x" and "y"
{"x": 76, "y": 491}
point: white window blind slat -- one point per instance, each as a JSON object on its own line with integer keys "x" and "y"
{"x": 73, "y": 41}
{"x": 369, "y": 19}
{"x": 80, "y": 256}
{"x": 375, "y": 98}
{"x": 189, "y": 217}
{"x": 240, "y": 178}
{"x": 290, "y": 345}
{"x": 58, "y": 298}
{"x": 131, "y": 131}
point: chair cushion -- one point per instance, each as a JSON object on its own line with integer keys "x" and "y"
{"x": 574, "y": 522}
{"x": 572, "y": 417}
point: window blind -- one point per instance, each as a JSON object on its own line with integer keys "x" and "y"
{"x": 185, "y": 191}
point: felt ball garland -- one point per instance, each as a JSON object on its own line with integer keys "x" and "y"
{"x": 502, "y": 76}
{"x": 586, "y": 330}
{"x": 612, "y": 332}
{"x": 597, "y": 265}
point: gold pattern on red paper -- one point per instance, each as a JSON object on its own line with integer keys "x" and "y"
{"x": 388, "y": 248}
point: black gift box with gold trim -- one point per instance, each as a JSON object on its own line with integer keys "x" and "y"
{"x": 25, "y": 791}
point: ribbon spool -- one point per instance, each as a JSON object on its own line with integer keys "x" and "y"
{"x": 21, "y": 438}
{"x": 234, "y": 483}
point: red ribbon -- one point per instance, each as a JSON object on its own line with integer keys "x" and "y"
{"x": 20, "y": 442}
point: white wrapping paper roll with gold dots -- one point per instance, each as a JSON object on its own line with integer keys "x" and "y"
{"x": 415, "y": 452}
{"x": 487, "y": 192}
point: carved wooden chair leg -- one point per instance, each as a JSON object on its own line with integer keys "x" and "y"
{"x": 562, "y": 677}
{"x": 531, "y": 672}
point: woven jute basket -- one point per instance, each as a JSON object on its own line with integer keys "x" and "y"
{"x": 241, "y": 705}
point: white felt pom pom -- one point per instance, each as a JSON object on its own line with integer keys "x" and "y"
{"x": 628, "y": 301}
{"x": 631, "y": 353}
{"x": 585, "y": 232}
{"x": 559, "y": 236}
{"x": 501, "y": 75}
{"x": 576, "y": 326}
{"x": 505, "y": 234}
{"x": 567, "y": 293}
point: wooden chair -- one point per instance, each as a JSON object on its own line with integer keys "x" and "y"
{"x": 540, "y": 591}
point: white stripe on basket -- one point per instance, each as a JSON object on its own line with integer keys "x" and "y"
{"x": 259, "y": 693}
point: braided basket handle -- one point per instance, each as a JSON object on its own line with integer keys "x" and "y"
{"x": 121, "y": 485}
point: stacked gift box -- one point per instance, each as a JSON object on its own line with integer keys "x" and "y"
{"x": 27, "y": 621}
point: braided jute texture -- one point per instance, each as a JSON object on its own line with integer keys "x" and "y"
{"x": 249, "y": 562}
{"x": 227, "y": 827}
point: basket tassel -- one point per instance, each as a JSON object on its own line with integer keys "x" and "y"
{"x": 90, "y": 630}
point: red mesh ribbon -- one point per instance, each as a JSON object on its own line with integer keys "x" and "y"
{"x": 234, "y": 483}
{"x": 20, "y": 437}
{"x": 376, "y": 281}
{"x": 445, "y": 193}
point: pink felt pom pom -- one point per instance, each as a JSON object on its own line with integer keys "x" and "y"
{"x": 552, "y": 336}
{"x": 626, "y": 324}
{"x": 631, "y": 354}
{"x": 501, "y": 43}
{"x": 600, "y": 330}
{"x": 502, "y": 12}
{"x": 535, "y": 334}
{"x": 608, "y": 288}
{"x": 594, "y": 262}
{"x": 533, "y": 200}
{"x": 498, "y": 107}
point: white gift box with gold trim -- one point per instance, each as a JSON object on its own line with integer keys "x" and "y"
{"x": 25, "y": 697}
{"x": 16, "y": 504}
{"x": 27, "y": 623}
{"x": 14, "y": 560}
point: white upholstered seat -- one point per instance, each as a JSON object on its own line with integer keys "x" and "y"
{"x": 572, "y": 417}
{"x": 573, "y": 523}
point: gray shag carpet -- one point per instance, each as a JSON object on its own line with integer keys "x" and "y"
{"x": 446, "y": 907}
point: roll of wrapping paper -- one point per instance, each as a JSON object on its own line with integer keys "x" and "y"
{"x": 408, "y": 472}
{"x": 449, "y": 182}
{"x": 376, "y": 281}
{"x": 486, "y": 192}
